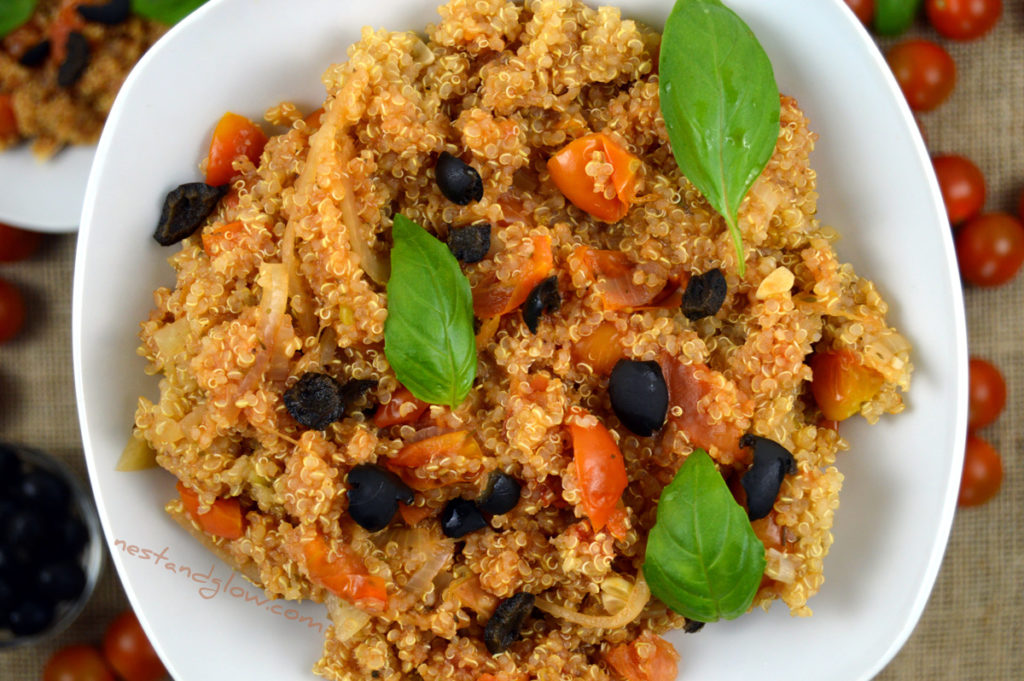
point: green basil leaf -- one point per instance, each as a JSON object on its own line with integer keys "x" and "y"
{"x": 165, "y": 11}
{"x": 14, "y": 13}
{"x": 428, "y": 336}
{"x": 893, "y": 17}
{"x": 720, "y": 104}
{"x": 703, "y": 559}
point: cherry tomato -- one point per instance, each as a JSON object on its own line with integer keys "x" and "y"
{"x": 925, "y": 72}
{"x": 343, "y": 573}
{"x": 1020, "y": 206}
{"x": 990, "y": 249}
{"x": 8, "y": 121}
{"x": 568, "y": 170}
{"x": 234, "y": 136}
{"x": 864, "y": 9}
{"x": 600, "y": 470}
{"x": 963, "y": 19}
{"x": 129, "y": 652}
{"x": 77, "y": 663}
{"x": 983, "y": 473}
{"x": 392, "y": 413}
{"x": 841, "y": 384}
{"x": 986, "y": 393}
{"x": 12, "y": 310}
{"x": 648, "y": 658}
{"x": 223, "y": 519}
{"x": 962, "y": 185}
{"x": 17, "y": 244}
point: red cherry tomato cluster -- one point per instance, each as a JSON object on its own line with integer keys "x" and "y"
{"x": 126, "y": 654}
{"x": 15, "y": 244}
{"x": 983, "y": 468}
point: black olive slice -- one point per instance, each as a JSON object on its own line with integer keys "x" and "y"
{"x": 639, "y": 395}
{"x": 704, "y": 295}
{"x": 761, "y": 482}
{"x": 543, "y": 298}
{"x": 73, "y": 66}
{"x": 471, "y": 243}
{"x": 460, "y": 517}
{"x": 110, "y": 13}
{"x": 36, "y": 55}
{"x": 373, "y": 496}
{"x": 692, "y": 626}
{"x": 458, "y": 181}
{"x": 502, "y": 630}
{"x": 315, "y": 401}
{"x": 184, "y": 210}
{"x": 502, "y": 494}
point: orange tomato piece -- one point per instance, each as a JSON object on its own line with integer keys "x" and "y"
{"x": 224, "y": 519}
{"x": 344, "y": 574}
{"x": 222, "y": 237}
{"x": 613, "y": 273}
{"x": 413, "y": 514}
{"x": 421, "y": 452}
{"x": 493, "y": 298}
{"x": 600, "y": 469}
{"x": 568, "y": 170}
{"x": 234, "y": 136}
{"x": 601, "y": 349}
{"x": 648, "y": 658}
{"x": 685, "y": 389}
{"x": 395, "y": 413}
{"x": 66, "y": 21}
{"x": 841, "y": 384}
{"x": 8, "y": 122}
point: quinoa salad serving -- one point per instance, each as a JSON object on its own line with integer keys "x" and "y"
{"x": 507, "y": 354}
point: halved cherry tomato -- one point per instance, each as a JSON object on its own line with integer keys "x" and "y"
{"x": 600, "y": 469}
{"x": 396, "y": 413}
{"x": 224, "y": 519}
{"x": 222, "y": 237}
{"x": 962, "y": 185}
{"x": 601, "y": 349}
{"x": 841, "y": 384}
{"x": 648, "y": 658}
{"x": 613, "y": 271}
{"x": 78, "y": 662}
{"x": 925, "y": 72}
{"x": 986, "y": 395}
{"x": 12, "y": 311}
{"x": 418, "y": 454}
{"x": 864, "y": 9}
{"x": 686, "y": 387}
{"x": 129, "y": 651}
{"x": 493, "y": 298}
{"x": 990, "y": 249}
{"x": 344, "y": 574}
{"x": 963, "y": 19}
{"x": 982, "y": 475}
{"x": 568, "y": 170}
{"x": 234, "y": 136}
{"x": 17, "y": 244}
{"x": 8, "y": 121}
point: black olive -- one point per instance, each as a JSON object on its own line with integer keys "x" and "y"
{"x": 639, "y": 395}
{"x": 692, "y": 626}
{"x": 762, "y": 480}
{"x": 460, "y": 517}
{"x": 45, "y": 492}
{"x": 30, "y": 617}
{"x": 315, "y": 401}
{"x": 68, "y": 536}
{"x": 25, "y": 529}
{"x": 373, "y": 496}
{"x": 36, "y": 55}
{"x": 502, "y": 630}
{"x": 501, "y": 495}
{"x": 184, "y": 210}
{"x": 457, "y": 180}
{"x": 543, "y": 298}
{"x": 471, "y": 243}
{"x": 704, "y": 295}
{"x": 61, "y": 581}
{"x": 73, "y": 66}
{"x": 113, "y": 12}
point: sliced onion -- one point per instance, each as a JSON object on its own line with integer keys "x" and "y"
{"x": 348, "y": 620}
{"x": 376, "y": 267}
{"x": 420, "y": 582}
{"x": 638, "y": 598}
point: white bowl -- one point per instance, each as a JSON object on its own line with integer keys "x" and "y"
{"x": 876, "y": 187}
{"x": 45, "y": 196}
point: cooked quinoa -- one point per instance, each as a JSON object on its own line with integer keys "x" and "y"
{"x": 45, "y": 112}
{"x": 503, "y": 87}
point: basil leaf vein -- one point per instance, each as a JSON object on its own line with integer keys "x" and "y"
{"x": 703, "y": 559}
{"x": 14, "y": 13}
{"x": 428, "y": 335}
{"x": 720, "y": 104}
{"x": 165, "y": 11}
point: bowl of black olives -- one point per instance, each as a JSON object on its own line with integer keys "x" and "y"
{"x": 51, "y": 547}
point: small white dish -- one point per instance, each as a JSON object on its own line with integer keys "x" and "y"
{"x": 44, "y": 196}
{"x": 876, "y": 188}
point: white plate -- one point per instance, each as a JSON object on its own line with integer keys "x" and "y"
{"x": 876, "y": 187}
{"x": 45, "y": 196}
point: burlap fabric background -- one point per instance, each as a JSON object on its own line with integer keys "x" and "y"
{"x": 972, "y": 627}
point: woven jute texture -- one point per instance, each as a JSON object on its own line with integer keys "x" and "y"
{"x": 972, "y": 625}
